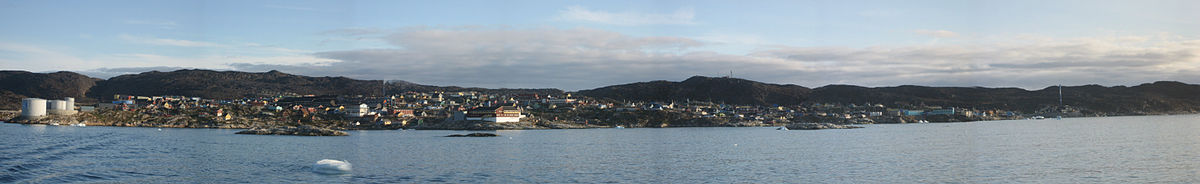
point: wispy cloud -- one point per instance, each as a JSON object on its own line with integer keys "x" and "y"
{"x": 37, "y": 58}
{"x": 586, "y": 58}
{"x": 1030, "y": 62}
{"x": 167, "y": 42}
{"x": 936, "y": 33}
{"x": 681, "y": 16}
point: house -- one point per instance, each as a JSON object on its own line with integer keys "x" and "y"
{"x": 403, "y": 112}
{"x": 503, "y": 114}
{"x": 360, "y": 111}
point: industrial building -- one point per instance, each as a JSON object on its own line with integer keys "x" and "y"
{"x": 37, "y": 107}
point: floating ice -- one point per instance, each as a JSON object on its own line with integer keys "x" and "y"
{"x": 327, "y": 166}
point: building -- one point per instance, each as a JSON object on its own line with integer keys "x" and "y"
{"x": 949, "y": 111}
{"x": 359, "y": 111}
{"x": 403, "y": 112}
{"x": 36, "y": 107}
{"x": 502, "y": 114}
{"x": 33, "y": 107}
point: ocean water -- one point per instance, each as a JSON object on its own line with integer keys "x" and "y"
{"x": 1074, "y": 150}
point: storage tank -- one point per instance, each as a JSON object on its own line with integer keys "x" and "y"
{"x": 58, "y": 105}
{"x": 33, "y": 107}
{"x": 70, "y": 103}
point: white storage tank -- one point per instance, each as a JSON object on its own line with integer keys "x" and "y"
{"x": 58, "y": 105}
{"x": 70, "y": 103}
{"x": 33, "y": 107}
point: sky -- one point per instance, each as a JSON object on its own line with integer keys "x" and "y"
{"x": 575, "y": 45}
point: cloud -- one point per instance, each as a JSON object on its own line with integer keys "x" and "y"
{"x": 517, "y": 57}
{"x": 1020, "y": 62}
{"x": 936, "y": 33}
{"x": 681, "y": 16}
{"x": 16, "y": 56}
{"x": 581, "y": 58}
{"x": 167, "y": 42}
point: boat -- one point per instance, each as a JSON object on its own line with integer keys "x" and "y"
{"x": 1038, "y": 118}
{"x": 619, "y": 126}
{"x": 79, "y": 125}
{"x": 782, "y": 128}
{"x": 54, "y": 124}
{"x": 922, "y": 121}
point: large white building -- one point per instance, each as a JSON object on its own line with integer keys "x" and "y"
{"x": 33, "y": 107}
{"x": 502, "y": 114}
{"x": 37, "y": 107}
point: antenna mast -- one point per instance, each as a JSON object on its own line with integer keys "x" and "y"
{"x": 1060, "y": 102}
{"x": 1060, "y": 99}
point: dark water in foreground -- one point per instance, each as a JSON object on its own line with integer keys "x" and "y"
{"x": 1077, "y": 150}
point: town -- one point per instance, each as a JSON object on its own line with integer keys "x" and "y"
{"x": 469, "y": 110}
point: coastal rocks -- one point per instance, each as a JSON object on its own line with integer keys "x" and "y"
{"x": 475, "y": 125}
{"x": 300, "y": 131}
{"x": 818, "y": 126}
{"x": 474, "y": 135}
{"x": 48, "y": 119}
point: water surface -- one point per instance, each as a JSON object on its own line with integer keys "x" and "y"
{"x": 1074, "y": 150}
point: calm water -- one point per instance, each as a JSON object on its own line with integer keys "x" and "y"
{"x": 1078, "y": 150}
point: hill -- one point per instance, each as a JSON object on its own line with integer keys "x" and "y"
{"x": 57, "y": 85}
{"x": 15, "y": 85}
{"x": 722, "y": 90}
{"x": 233, "y": 84}
{"x": 1151, "y": 98}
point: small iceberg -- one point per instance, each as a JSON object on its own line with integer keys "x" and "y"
{"x": 327, "y": 166}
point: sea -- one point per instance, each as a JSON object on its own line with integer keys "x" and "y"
{"x": 1136, "y": 149}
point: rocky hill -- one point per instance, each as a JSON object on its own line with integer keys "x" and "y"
{"x": 229, "y": 84}
{"x": 15, "y": 85}
{"x": 1151, "y": 98}
{"x": 233, "y": 84}
{"x": 721, "y": 90}
{"x": 22, "y": 84}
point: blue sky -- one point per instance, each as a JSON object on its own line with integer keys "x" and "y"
{"x": 586, "y": 44}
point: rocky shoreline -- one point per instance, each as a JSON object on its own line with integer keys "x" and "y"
{"x": 300, "y": 131}
{"x": 482, "y": 125}
{"x": 818, "y": 126}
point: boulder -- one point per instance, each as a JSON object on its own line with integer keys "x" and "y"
{"x": 474, "y": 135}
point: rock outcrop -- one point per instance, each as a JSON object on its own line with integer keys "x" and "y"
{"x": 818, "y": 126}
{"x": 474, "y": 135}
{"x": 300, "y": 131}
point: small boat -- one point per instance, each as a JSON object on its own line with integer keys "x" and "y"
{"x": 619, "y": 126}
{"x": 782, "y": 128}
{"x": 922, "y": 121}
{"x": 79, "y": 125}
{"x": 1038, "y": 118}
{"x": 54, "y": 124}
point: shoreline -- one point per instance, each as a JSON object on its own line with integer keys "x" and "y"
{"x": 485, "y": 126}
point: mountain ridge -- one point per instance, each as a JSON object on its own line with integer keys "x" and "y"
{"x": 1147, "y": 98}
